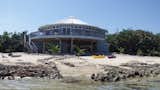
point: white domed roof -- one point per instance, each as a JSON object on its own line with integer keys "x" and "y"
{"x": 71, "y": 20}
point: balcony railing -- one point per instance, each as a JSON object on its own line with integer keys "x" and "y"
{"x": 68, "y": 32}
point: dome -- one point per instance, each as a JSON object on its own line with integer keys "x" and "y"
{"x": 71, "y": 20}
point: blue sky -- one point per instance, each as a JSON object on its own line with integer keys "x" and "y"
{"x": 20, "y": 15}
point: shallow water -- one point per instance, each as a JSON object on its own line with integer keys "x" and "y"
{"x": 44, "y": 84}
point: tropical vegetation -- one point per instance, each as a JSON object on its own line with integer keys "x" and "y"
{"x": 79, "y": 51}
{"x": 134, "y": 42}
{"x": 12, "y": 42}
{"x": 55, "y": 49}
{"x": 127, "y": 41}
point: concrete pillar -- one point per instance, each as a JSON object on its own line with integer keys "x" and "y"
{"x": 29, "y": 40}
{"x": 60, "y": 45}
{"x": 91, "y": 46}
{"x": 24, "y": 40}
{"x": 43, "y": 48}
{"x": 71, "y": 49}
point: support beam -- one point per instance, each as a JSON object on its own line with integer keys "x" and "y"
{"x": 43, "y": 50}
{"x": 29, "y": 40}
{"x": 71, "y": 49}
{"x": 60, "y": 45}
{"x": 91, "y": 46}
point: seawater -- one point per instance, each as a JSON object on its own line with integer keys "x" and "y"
{"x": 44, "y": 84}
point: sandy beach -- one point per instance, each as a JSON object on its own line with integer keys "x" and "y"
{"x": 70, "y": 65}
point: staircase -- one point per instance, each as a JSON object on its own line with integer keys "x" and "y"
{"x": 31, "y": 47}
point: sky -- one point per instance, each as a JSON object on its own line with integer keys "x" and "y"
{"x": 113, "y": 15}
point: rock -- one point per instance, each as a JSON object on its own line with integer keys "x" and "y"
{"x": 11, "y": 78}
{"x": 122, "y": 76}
{"x": 41, "y": 71}
{"x": 115, "y": 79}
{"x": 10, "y": 54}
{"x": 93, "y": 76}
{"x": 114, "y": 74}
{"x": 69, "y": 64}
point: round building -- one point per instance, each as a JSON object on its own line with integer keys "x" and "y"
{"x": 68, "y": 34}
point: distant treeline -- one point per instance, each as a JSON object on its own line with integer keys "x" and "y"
{"x": 134, "y": 42}
{"x": 12, "y": 42}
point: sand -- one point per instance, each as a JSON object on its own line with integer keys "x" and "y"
{"x": 78, "y": 66}
{"x": 124, "y": 58}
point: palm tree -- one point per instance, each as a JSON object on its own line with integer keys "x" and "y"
{"x": 79, "y": 51}
{"x": 55, "y": 49}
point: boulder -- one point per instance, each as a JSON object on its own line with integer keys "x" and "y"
{"x": 41, "y": 71}
{"x": 137, "y": 70}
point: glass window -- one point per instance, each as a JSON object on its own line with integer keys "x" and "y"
{"x": 68, "y": 31}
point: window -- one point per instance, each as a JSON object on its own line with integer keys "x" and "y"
{"x": 68, "y": 31}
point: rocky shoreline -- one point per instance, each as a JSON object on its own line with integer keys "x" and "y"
{"x": 73, "y": 69}
{"x": 39, "y": 71}
{"x": 127, "y": 71}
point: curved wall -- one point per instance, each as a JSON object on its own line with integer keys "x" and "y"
{"x": 69, "y": 31}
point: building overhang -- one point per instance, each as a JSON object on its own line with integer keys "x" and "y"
{"x": 66, "y": 36}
